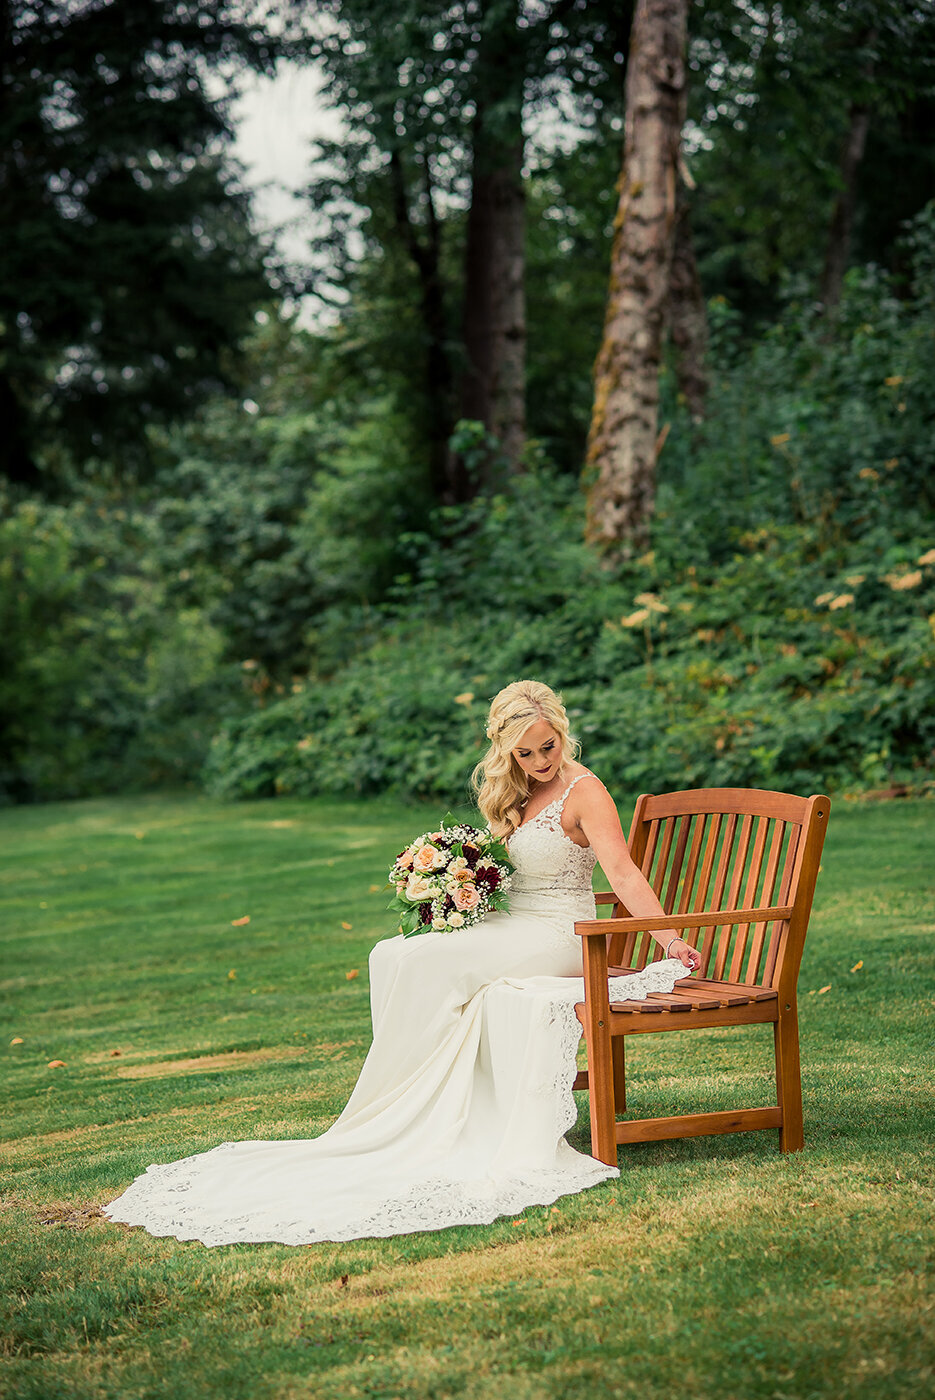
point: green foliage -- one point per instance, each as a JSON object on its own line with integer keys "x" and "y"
{"x": 279, "y": 521}
{"x": 779, "y": 633}
{"x": 771, "y": 98}
{"x": 732, "y": 676}
{"x": 804, "y": 426}
{"x": 104, "y": 684}
{"x": 128, "y": 269}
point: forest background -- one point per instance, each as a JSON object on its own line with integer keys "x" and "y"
{"x": 276, "y": 526}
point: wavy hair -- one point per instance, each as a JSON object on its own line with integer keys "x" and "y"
{"x": 500, "y": 783}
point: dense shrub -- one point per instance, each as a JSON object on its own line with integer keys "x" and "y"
{"x": 779, "y": 633}
{"x": 103, "y": 685}
{"x": 287, "y": 586}
{"x": 279, "y": 523}
{"x": 788, "y": 667}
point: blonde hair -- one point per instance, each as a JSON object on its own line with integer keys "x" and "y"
{"x": 500, "y": 783}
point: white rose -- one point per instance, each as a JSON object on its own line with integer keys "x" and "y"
{"x": 419, "y": 888}
{"x": 439, "y": 923}
{"x": 456, "y": 920}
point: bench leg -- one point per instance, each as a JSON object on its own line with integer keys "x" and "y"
{"x": 618, "y": 1054}
{"x": 788, "y": 1080}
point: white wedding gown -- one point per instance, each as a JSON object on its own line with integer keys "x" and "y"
{"x": 463, "y": 1101}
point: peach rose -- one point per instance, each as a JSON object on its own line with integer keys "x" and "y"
{"x": 466, "y": 898}
{"x": 427, "y": 858}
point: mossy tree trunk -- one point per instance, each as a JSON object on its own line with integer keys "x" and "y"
{"x": 621, "y": 459}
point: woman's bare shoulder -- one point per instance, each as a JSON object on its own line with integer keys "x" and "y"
{"x": 590, "y": 792}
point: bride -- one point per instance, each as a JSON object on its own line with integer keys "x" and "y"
{"x": 460, "y": 1111}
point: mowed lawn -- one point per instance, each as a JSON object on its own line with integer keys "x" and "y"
{"x": 713, "y": 1267}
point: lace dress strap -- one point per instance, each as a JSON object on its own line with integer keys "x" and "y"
{"x": 560, "y": 801}
{"x": 551, "y": 814}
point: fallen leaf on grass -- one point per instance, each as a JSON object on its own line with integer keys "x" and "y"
{"x": 56, "y": 1064}
{"x": 857, "y": 966}
{"x": 518, "y": 1222}
{"x": 232, "y": 974}
{"x": 346, "y": 925}
{"x": 238, "y": 923}
{"x": 113, "y": 1053}
{"x": 824, "y": 989}
{"x": 352, "y": 974}
{"x": 17, "y": 1040}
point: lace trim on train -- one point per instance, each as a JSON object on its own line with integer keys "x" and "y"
{"x": 156, "y": 1199}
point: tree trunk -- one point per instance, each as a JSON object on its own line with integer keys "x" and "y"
{"x": 688, "y": 323}
{"x": 437, "y": 376}
{"x": 17, "y": 462}
{"x": 622, "y": 440}
{"x": 842, "y": 218}
{"x": 494, "y": 380}
{"x": 839, "y": 234}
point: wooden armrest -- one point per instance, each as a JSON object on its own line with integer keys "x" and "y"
{"x": 592, "y": 928}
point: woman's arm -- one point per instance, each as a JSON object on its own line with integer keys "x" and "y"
{"x": 594, "y": 811}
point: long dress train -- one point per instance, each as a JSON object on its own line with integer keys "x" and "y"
{"x": 461, "y": 1107}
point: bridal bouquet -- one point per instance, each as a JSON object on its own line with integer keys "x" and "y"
{"x": 449, "y": 879}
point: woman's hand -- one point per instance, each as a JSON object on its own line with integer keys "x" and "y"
{"x": 687, "y": 955}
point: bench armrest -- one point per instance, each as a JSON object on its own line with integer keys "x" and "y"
{"x": 594, "y": 928}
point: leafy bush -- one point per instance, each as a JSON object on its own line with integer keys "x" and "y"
{"x": 279, "y": 524}
{"x": 104, "y": 684}
{"x": 790, "y": 666}
{"x": 779, "y": 633}
{"x": 812, "y": 423}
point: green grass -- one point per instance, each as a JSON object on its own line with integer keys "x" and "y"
{"x": 713, "y": 1267}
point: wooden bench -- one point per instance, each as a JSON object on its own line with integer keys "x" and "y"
{"x": 735, "y": 870}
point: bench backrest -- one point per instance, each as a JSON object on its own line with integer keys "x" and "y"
{"x": 729, "y": 849}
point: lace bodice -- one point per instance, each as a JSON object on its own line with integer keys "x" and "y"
{"x": 548, "y": 863}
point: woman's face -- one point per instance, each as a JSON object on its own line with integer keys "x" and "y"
{"x": 539, "y": 751}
